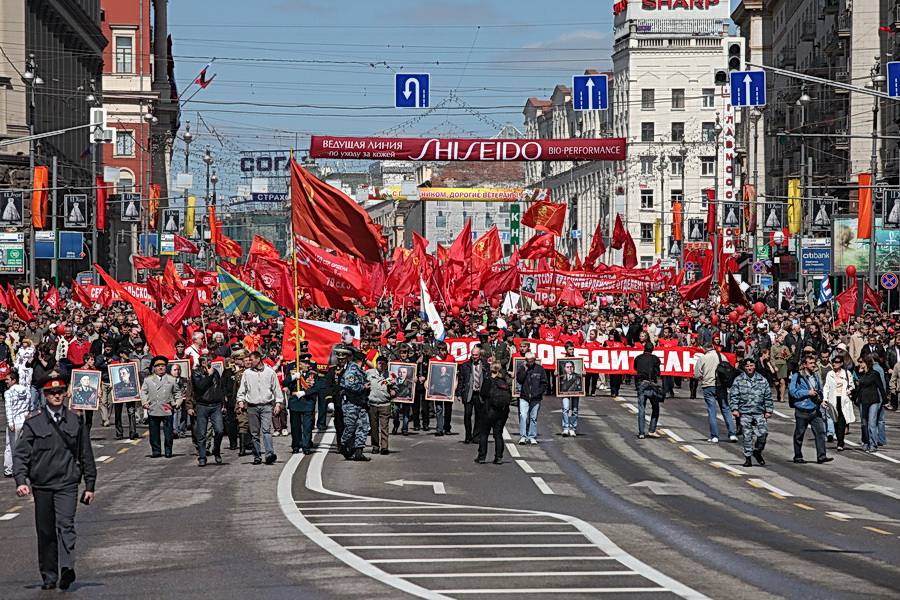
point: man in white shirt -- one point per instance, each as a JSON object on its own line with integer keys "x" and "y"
{"x": 261, "y": 396}
{"x": 196, "y": 349}
{"x": 18, "y": 404}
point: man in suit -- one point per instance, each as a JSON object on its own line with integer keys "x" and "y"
{"x": 570, "y": 382}
{"x": 496, "y": 350}
{"x": 161, "y": 396}
{"x": 469, "y": 377}
{"x": 872, "y": 346}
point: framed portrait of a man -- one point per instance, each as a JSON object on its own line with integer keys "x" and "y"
{"x": 441, "y": 382}
{"x": 84, "y": 389}
{"x": 570, "y": 376}
{"x": 404, "y": 377}
{"x": 180, "y": 368}
{"x": 516, "y": 386}
{"x": 126, "y": 387}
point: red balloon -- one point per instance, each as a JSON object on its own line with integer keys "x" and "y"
{"x": 851, "y": 271}
{"x": 495, "y": 302}
{"x": 715, "y": 319}
{"x": 741, "y": 310}
{"x": 733, "y": 316}
{"x": 474, "y": 304}
{"x": 759, "y": 308}
{"x": 454, "y": 311}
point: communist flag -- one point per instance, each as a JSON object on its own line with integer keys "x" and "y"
{"x": 15, "y": 303}
{"x": 263, "y": 247}
{"x": 171, "y": 277}
{"x": 487, "y": 250}
{"x": 545, "y": 216}
{"x": 539, "y": 246}
{"x": 102, "y": 195}
{"x": 185, "y": 245}
{"x": 732, "y": 293}
{"x": 40, "y": 196}
{"x": 597, "y": 248}
{"x": 227, "y": 247}
{"x": 699, "y": 290}
{"x": 629, "y": 252}
{"x": 865, "y": 206}
{"x": 330, "y": 218}
{"x": 145, "y": 262}
{"x": 442, "y": 254}
{"x": 561, "y": 263}
{"x": 619, "y": 234}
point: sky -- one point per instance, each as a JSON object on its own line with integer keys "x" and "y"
{"x": 287, "y": 69}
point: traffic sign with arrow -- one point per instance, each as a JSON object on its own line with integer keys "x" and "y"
{"x": 437, "y": 486}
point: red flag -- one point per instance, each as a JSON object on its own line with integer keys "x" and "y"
{"x": 185, "y": 245}
{"x": 227, "y": 247}
{"x": 501, "y": 283}
{"x": 40, "y": 197}
{"x": 699, "y": 290}
{"x": 102, "y": 197}
{"x": 561, "y": 263}
{"x": 4, "y": 299}
{"x": 33, "y": 299}
{"x": 886, "y": 30}
{"x": 539, "y": 246}
{"x": 678, "y": 280}
{"x": 629, "y": 252}
{"x": 619, "y": 234}
{"x": 597, "y": 248}
{"x": 871, "y": 297}
{"x": 322, "y": 336}
{"x": 171, "y": 277}
{"x": 865, "y": 207}
{"x": 263, "y": 247}
{"x": 487, "y": 250}
{"x": 213, "y": 226}
{"x": 330, "y": 218}
{"x": 160, "y": 335}
{"x": 321, "y": 269}
{"x": 188, "y": 307}
{"x": 52, "y": 298}
{"x": 442, "y": 254}
{"x": 711, "y": 210}
{"x": 81, "y": 295}
{"x": 15, "y": 304}
{"x": 732, "y": 293}
{"x": 201, "y": 80}
{"x": 577, "y": 266}
{"x": 545, "y": 216}
{"x": 145, "y": 262}
{"x": 571, "y": 296}
{"x": 461, "y": 249}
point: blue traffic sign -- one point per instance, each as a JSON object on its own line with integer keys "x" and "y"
{"x": 748, "y": 88}
{"x": 888, "y": 281}
{"x": 688, "y": 266}
{"x": 576, "y": 234}
{"x": 411, "y": 90}
{"x": 759, "y": 267}
{"x": 590, "y": 92}
{"x": 893, "y": 79}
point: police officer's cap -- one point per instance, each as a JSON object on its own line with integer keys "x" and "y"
{"x": 159, "y": 360}
{"x": 357, "y": 354}
{"x": 305, "y": 358}
{"x": 54, "y": 383}
{"x": 239, "y": 354}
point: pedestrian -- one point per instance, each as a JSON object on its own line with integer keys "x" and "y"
{"x": 354, "y": 389}
{"x": 207, "y": 405}
{"x": 805, "y": 396}
{"x": 161, "y": 397}
{"x": 714, "y": 394}
{"x": 52, "y": 457}
{"x": 261, "y": 396}
{"x": 381, "y": 391}
{"x": 751, "y": 402}
{"x": 871, "y": 397}
{"x": 647, "y": 369}
{"x": 492, "y": 406}
{"x": 306, "y": 385}
{"x": 18, "y": 404}
{"x": 532, "y": 380}
{"x": 469, "y": 377}
{"x": 837, "y": 389}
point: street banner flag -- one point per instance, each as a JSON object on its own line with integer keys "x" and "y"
{"x": 431, "y": 313}
{"x": 189, "y": 216}
{"x": 330, "y": 218}
{"x": 699, "y": 290}
{"x": 227, "y": 247}
{"x": 237, "y": 296}
{"x": 597, "y": 248}
{"x": 795, "y": 206}
{"x": 144, "y": 262}
{"x": 201, "y": 80}
{"x": 102, "y": 195}
{"x": 188, "y": 307}
{"x": 619, "y": 234}
{"x": 185, "y": 245}
{"x": 321, "y": 336}
{"x": 629, "y": 252}
{"x": 15, "y": 303}
{"x": 40, "y": 197}
{"x": 487, "y": 250}
{"x": 825, "y": 293}
{"x": 711, "y": 210}
{"x": 545, "y": 216}
{"x": 865, "y": 207}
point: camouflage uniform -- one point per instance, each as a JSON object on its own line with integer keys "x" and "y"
{"x": 751, "y": 397}
{"x": 355, "y": 405}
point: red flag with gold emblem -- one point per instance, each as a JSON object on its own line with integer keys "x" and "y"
{"x": 227, "y": 247}
{"x": 619, "y": 234}
{"x": 442, "y": 254}
{"x": 561, "y": 263}
{"x": 153, "y": 205}
{"x": 145, "y": 262}
{"x": 487, "y": 250}
{"x": 629, "y": 252}
{"x": 546, "y": 216}
{"x": 262, "y": 247}
{"x": 539, "y": 246}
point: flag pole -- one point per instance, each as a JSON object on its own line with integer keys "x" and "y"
{"x": 296, "y": 285}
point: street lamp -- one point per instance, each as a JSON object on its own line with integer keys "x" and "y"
{"x": 877, "y": 80}
{"x": 802, "y": 102}
{"x": 717, "y": 131}
{"x": 662, "y": 166}
{"x": 31, "y": 78}
{"x": 755, "y": 115}
{"x": 682, "y": 151}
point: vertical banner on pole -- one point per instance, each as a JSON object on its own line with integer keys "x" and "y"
{"x": 515, "y": 219}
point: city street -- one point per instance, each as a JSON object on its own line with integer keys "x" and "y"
{"x": 603, "y": 514}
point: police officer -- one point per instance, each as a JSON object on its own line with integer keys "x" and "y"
{"x": 355, "y": 403}
{"x": 54, "y": 454}
{"x": 302, "y": 391}
{"x": 751, "y": 402}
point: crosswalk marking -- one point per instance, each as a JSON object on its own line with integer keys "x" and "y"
{"x": 542, "y": 485}
{"x": 567, "y": 559}
{"x": 519, "y": 574}
{"x": 8, "y": 516}
{"x": 560, "y": 590}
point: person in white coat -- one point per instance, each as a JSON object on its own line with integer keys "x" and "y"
{"x": 838, "y": 385}
{"x": 18, "y": 405}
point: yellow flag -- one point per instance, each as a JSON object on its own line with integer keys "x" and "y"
{"x": 657, "y": 231}
{"x": 795, "y": 206}
{"x": 189, "y": 216}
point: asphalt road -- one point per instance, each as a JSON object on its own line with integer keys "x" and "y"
{"x": 603, "y": 514}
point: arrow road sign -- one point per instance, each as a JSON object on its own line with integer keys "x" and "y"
{"x": 436, "y": 485}
{"x": 893, "y": 79}
{"x": 748, "y": 88}
{"x": 590, "y": 92}
{"x": 411, "y": 90}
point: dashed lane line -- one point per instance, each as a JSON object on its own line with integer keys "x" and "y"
{"x": 513, "y": 451}
{"x": 525, "y": 466}
{"x": 8, "y": 516}
{"x": 542, "y": 485}
{"x": 512, "y": 559}
{"x": 876, "y": 530}
{"x": 695, "y": 452}
{"x": 14, "y": 508}
{"x": 519, "y": 574}
{"x": 101, "y": 459}
{"x": 803, "y": 506}
{"x": 733, "y": 470}
{"x": 671, "y": 434}
{"x": 560, "y": 590}
{"x": 762, "y": 484}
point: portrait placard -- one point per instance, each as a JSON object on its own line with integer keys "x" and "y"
{"x": 517, "y": 361}
{"x": 569, "y": 376}
{"x": 441, "y": 383}
{"x": 84, "y": 389}
{"x": 404, "y": 376}
{"x": 126, "y": 386}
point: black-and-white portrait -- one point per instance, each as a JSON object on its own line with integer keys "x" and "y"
{"x": 731, "y": 215}
{"x": 696, "y": 230}
{"x": 529, "y": 285}
{"x": 773, "y": 216}
{"x": 75, "y": 206}
{"x": 11, "y": 209}
{"x": 892, "y": 209}
{"x": 171, "y": 220}
{"x": 822, "y": 211}
{"x": 131, "y": 208}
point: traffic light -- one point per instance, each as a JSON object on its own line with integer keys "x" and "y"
{"x": 734, "y": 54}
{"x": 720, "y": 77}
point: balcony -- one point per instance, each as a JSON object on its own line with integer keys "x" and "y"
{"x": 842, "y": 77}
{"x": 844, "y": 23}
{"x": 776, "y": 166}
{"x": 818, "y": 66}
{"x": 836, "y": 46}
{"x": 840, "y": 141}
{"x": 808, "y": 31}
{"x": 788, "y": 57}
{"x": 831, "y": 7}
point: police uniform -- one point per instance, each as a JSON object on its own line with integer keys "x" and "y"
{"x": 355, "y": 406}
{"x": 53, "y": 455}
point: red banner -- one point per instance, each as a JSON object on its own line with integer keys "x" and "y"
{"x": 532, "y": 282}
{"x": 469, "y": 150}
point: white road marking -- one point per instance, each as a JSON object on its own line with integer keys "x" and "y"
{"x": 672, "y": 434}
{"x": 460, "y": 546}
{"x": 728, "y": 468}
{"x": 886, "y": 457}
{"x": 770, "y": 487}
{"x": 542, "y": 485}
{"x": 453, "y": 534}
{"x": 525, "y": 466}
{"x": 100, "y": 459}
{"x": 849, "y": 443}
{"x": 630, "y": 407}
{"x": 526, "y": 574}
{"x": 840, "y": 515}
{"x": 401, "y": 514}
{"x": 879, "y": 489}
{"x": 696, "y": 452}
{"x": 437, "y": 486}
{"x": 513, "y": 451}
{"x": 506, "y": 435}
{"x": 8, "y": 516}
{"x": 566, "y": 559}
{"x": 635, "y": 590}
{"x": 438, "y": 523}
{"x": 780, "y": 414}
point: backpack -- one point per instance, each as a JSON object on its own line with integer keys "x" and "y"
{"x": 501, "y": 395}
{"x": 725, "y": 373}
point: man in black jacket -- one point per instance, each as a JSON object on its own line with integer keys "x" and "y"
{"x": 469, "y": 377}
{"x": 532, "y": 379}
{"x": 647, "y": 367}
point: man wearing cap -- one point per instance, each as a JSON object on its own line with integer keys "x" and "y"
{"x": 354, "y": 393}
{"x": 260, "y": 395}
{"x": 160, "y": 396}
{"x": 302, "y": 390}
{"x": 751, "y": 402}
{"x": 496, "y": 350}
{"x": 54, "y": 454}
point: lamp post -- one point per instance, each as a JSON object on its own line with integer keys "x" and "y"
{"x": 188, "y": 137}
{"x": 802, "y": 102}
{"x": 662, "y": 166}
{"x": 755, "y": 115}
{"x": 208, "y": 159}
{"x": 31, "y": 78}
{"x": 682, "y": 151}
{"x": 877, "y": 80}
{"x": 214, "y": 179}
{"x": 717, "y": 131}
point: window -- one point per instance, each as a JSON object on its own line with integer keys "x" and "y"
{"x": 647, "y": 131}
{"x": 124, "y": 143}
{"x": 648, "y": 99}
{"x": 467, "y": 204}
{"x": 678, "y": 99}
{"x": 647, "y": 165}
{"x": 708, "y": 132}
{"x": 488, "y": 221}
{"x": 506, "y": 222}
{"x": 440, "y": 221}
{"x": 125, "y": 184}
{"x": 677, "y": 132}
{"x": 442, "y": 204}
{"x": 646, "y": 232}
{"x": 647, "y": 262}
{"x": 124, "y": 53}
{"x": 707, "y": 165}
{"x": 709, "y": 97}
{"x": 676, "y": 196}
{"x": 677, "y": 165}
{"x": 646, "y": 199}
